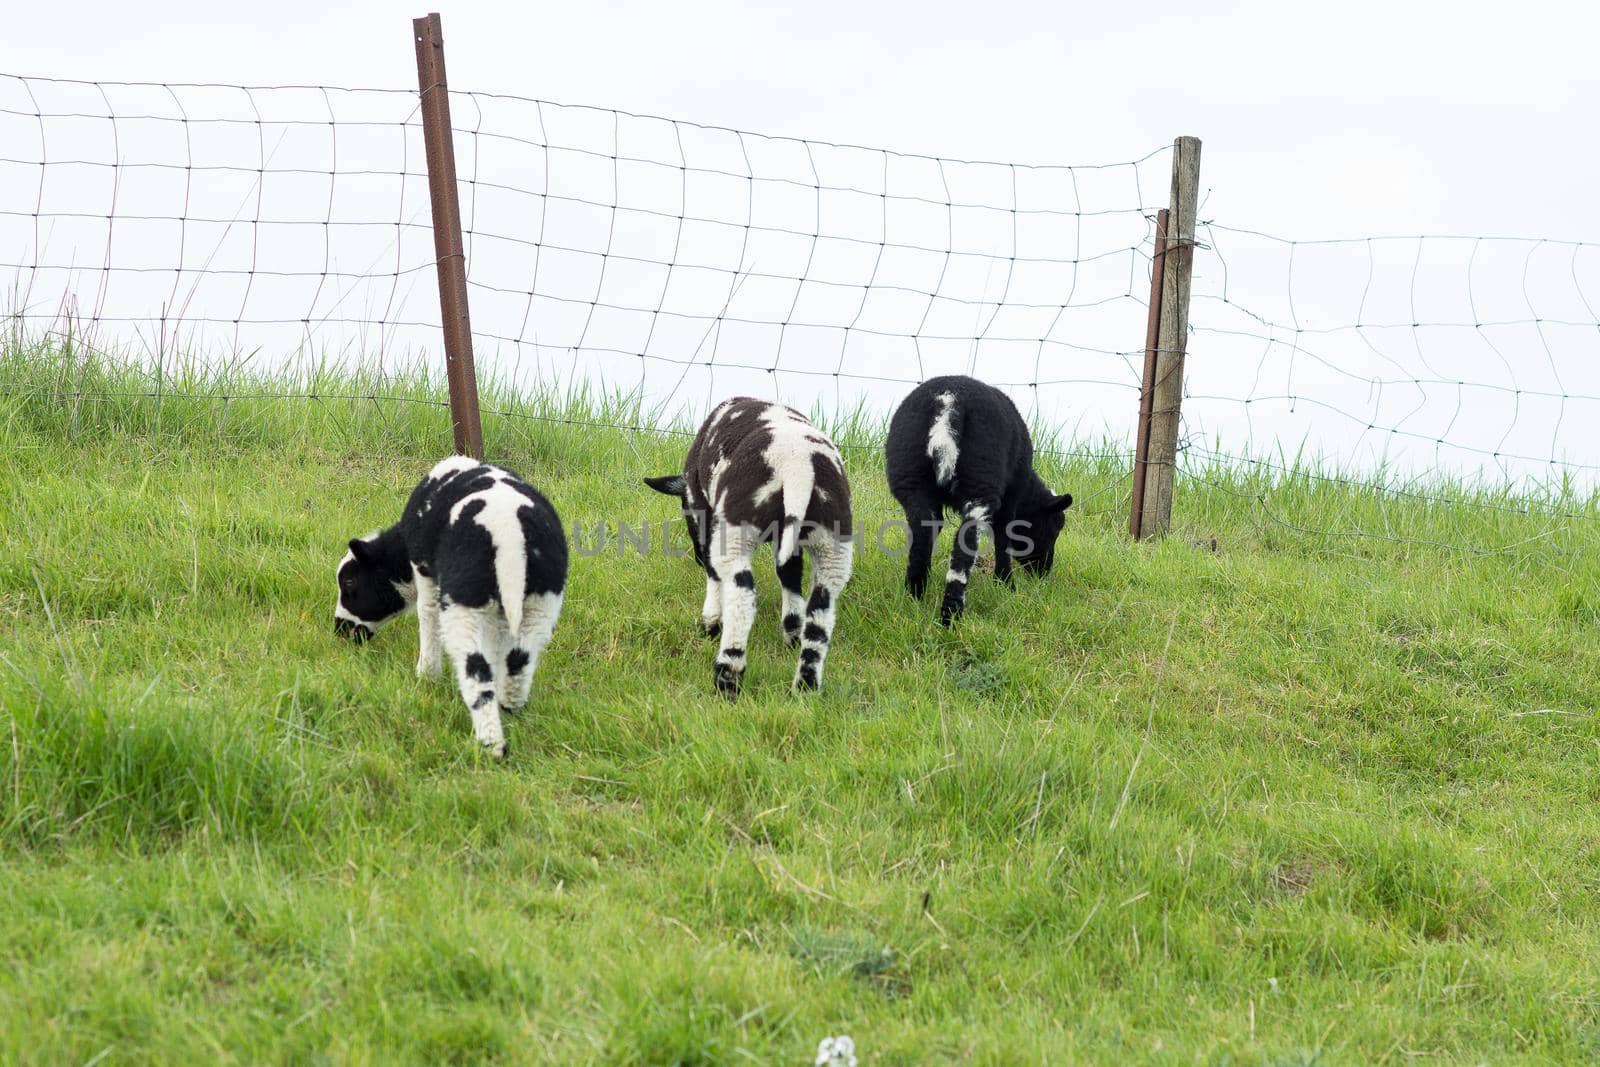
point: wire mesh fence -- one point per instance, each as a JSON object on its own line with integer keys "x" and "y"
{"x": 278, "y": 239}
{"x": 1456, "y": 372}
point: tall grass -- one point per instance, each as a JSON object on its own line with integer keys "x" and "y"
{"x": 56, "y": 386}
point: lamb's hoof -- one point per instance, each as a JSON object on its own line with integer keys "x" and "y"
{"x": 498, "y": 750}
{"x": 428, "y": 672}
{"x": 805, "y": 681}
{"x": 916, "y": 589}
{"x": 727, "y": 680}
{"x": 950, "y": 611}
{"x": 512, "y": 709}
{"x": 711, "y": 629}
{"x": 791, "y": 629}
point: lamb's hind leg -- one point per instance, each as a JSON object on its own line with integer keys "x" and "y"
{"x": 731, "y": 558}
{"x": 790, "y": 575}
{"x": 831, "y": 563}
{"x": 923, "y": 519}
{"x": 976, "y": 516}
{"x": 474, "y": 639}
{"x": 539, "y": 615}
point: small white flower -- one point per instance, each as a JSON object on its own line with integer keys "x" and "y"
{"x": 836, "y": 1052}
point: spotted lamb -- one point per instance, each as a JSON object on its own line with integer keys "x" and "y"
{"x": 482, "y": 557}
{"x": 757, "y": 472}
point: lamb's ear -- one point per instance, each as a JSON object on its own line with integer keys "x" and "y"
{"x": 360, "y": 550}
{"x": 670, "y": 484}
{"x": 1059, "y": 504}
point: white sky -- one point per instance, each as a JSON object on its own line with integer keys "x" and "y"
{"x": 1318, "y": 121}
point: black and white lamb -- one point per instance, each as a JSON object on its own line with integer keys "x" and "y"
{"x": 482, "y": 557}
{"x": 756, "y": 472}
{"x": 960, "y": 444}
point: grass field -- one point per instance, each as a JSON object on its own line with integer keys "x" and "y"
{"x": 1250, "y": 795}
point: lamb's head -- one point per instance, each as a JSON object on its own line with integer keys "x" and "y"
{"x": 675, "y": 485}
{"x": 1032, "y": 534}
{"x": 375, "y": 583}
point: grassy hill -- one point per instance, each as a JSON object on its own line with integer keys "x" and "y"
{"x": 1251, "y": 795}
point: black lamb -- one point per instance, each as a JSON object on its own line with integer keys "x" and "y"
{"x": 958, "y": 443}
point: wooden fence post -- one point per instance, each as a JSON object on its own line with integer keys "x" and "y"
{"x": 1152, "y": 345}
{"x": 451, "y": 264}
{"x": 1167, "y": 388}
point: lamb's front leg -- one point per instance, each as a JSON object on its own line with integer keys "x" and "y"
{"x": 1002, "y": 556}
{"x": 711, "y": 610}
{"x": 975, "y": 517}
{"x": 428, "y": 658}
{"x": 473, "y": 637}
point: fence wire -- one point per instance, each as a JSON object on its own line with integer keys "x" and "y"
{"x": 276, "y": 242}
{"x": 1456, "y": 374}
{"x": 659, "y": 263}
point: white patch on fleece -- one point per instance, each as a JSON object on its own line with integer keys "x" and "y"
{"x": 789, "y": 455}
{"x": 709, "y": 433}
{"x": 452, "y": 465}
{"x": 718, "y": 414}
{"x": 714, "y": 489}
{"x": 499, "y": 517}
{"x": 942, "y": 448}
{"x": 445, "y": 468}
{"x": 793, "y": 474}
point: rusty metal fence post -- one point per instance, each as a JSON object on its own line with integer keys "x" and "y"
{"x": 1152, "y": 342}
{"x": 451, "y": 264}
{"x": 1164, "y": 378}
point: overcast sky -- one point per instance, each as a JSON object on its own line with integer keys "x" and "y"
{"x": 1318, "y": 121}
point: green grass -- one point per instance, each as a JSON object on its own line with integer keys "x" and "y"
{"x": 1250, "y": 795}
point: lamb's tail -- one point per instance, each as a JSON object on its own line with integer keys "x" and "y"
{"x": 797, "y": 486}
{"x": 511, "y": 570}
{"x": 945, "y": 433}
